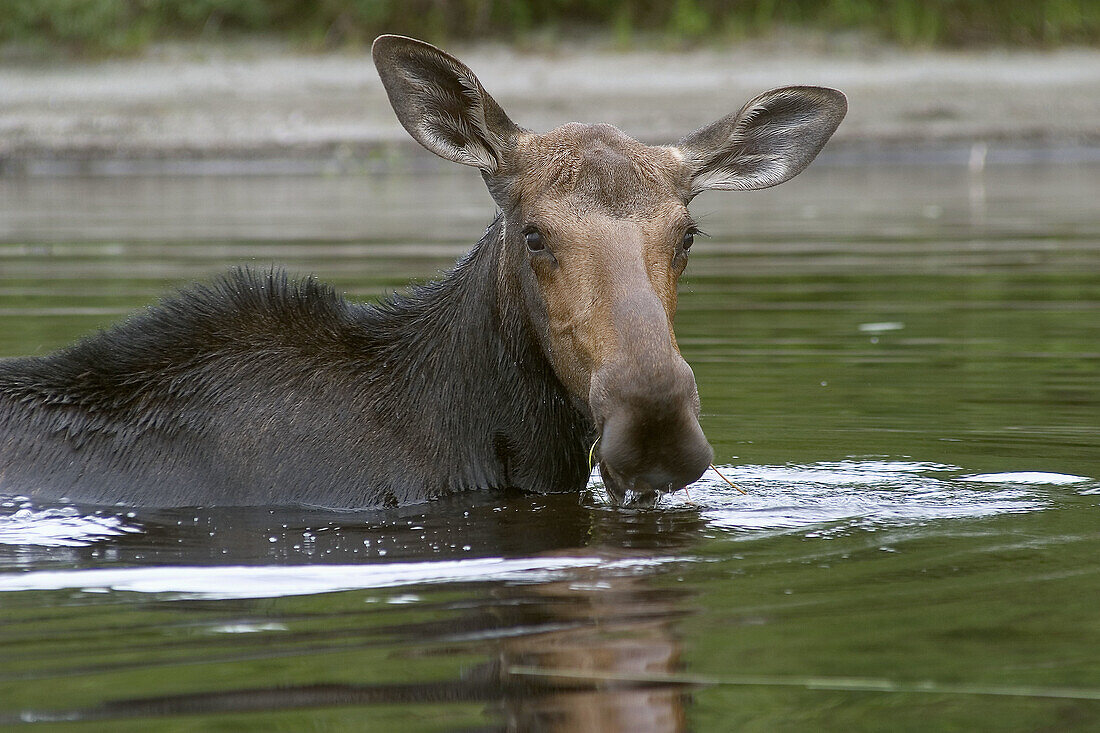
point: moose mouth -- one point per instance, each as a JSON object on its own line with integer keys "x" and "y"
{"x": 647, "y": 452}
{"x": 632, "y": 493}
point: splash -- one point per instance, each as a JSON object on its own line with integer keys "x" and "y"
{"x": 24, "y": 525}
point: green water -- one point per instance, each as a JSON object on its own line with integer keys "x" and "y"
{"x": 900, "y": 365}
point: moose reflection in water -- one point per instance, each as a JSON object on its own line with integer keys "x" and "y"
{"x": 610, "y": 620}
{"x": 553, "y": 332}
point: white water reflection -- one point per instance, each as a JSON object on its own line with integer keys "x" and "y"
{"x": 833, "y": 496}
{"x": 56, "y": 526}
{"x": 1026, "y": 477}
{"x": 267, "y": 581}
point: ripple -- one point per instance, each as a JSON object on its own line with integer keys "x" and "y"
{"x": 835, "y": 496}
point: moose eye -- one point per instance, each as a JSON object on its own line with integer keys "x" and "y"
{"x": 689, "y": 239}
{"x": 534, "y": 240}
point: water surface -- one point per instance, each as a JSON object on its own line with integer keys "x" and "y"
{"x": 898, "y": 364}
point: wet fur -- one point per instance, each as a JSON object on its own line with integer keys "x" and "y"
{"x": 261, "y": 389}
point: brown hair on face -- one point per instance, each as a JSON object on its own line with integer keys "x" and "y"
{"x": 611, "y": 214}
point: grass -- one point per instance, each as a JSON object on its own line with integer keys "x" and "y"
{"x": 108, "y": 27}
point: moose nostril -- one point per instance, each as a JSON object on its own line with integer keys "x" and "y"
{"x": 660, "y": 481}
{"x": 660, "y": 460}
{"x": 687, "y": 466}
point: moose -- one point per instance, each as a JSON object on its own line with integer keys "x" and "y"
{"x": 549, "y": 342}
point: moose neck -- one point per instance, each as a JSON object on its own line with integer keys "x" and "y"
{"x": 486, "y": 390}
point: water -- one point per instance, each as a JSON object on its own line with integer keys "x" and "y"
{"x": 897, "y": 363}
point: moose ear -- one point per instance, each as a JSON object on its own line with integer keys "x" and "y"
{"x": 442, "y": 104}
{"x": 768, "y": 142}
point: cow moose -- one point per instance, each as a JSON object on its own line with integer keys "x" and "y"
{"x": 554, "y": 331}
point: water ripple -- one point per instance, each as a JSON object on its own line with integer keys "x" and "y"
{"x": 835, "y": 496}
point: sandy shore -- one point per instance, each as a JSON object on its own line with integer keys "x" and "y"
{"x": 265, "y": 102}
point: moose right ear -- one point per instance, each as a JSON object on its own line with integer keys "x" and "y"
{"x": 442, "y": 104}
{"x": 769, "y": 141}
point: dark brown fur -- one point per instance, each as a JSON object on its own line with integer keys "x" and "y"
{"x": 259, "y": 389}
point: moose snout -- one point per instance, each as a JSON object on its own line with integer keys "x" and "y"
{"x": 650, "y": 438}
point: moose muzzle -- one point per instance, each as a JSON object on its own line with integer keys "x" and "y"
{"x": 650, "y": 439}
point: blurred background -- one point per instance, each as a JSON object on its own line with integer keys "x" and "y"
{"x": 116, "y": 80}
{"x": 129, "y": 26}
{"x": 897, "y": 352}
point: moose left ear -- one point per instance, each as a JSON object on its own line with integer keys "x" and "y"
{"x": 442, "y": 104}
{"x": 768, "y": 142}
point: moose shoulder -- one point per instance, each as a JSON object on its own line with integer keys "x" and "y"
{"x": 555, "y": 330}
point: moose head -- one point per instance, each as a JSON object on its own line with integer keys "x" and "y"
{"x": 596, "y": 234}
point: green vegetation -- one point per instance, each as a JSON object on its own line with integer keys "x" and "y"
{"x": 119, "y": 26}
